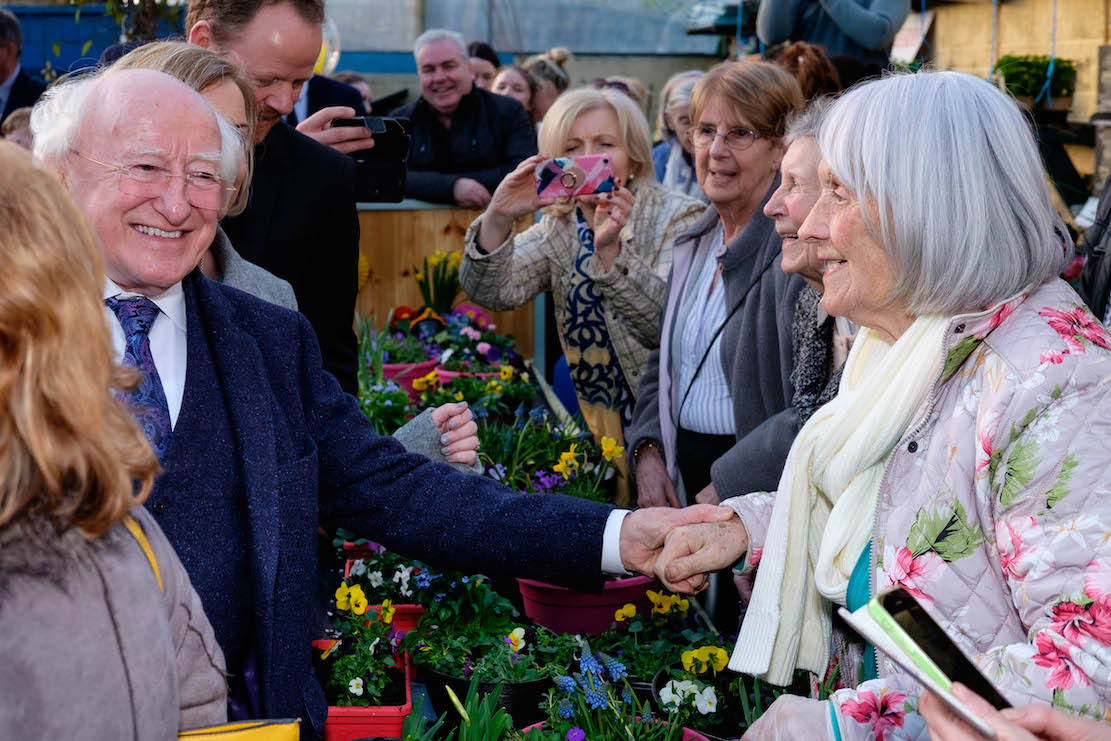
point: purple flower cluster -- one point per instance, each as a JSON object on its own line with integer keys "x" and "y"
{"x": 545, "y": 482}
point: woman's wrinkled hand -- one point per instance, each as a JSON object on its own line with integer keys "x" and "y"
{"x": 692, "y": 553}
{"x": 611, "y": 214}
{"x": 654, "y": 487}
{"x": 458, "y": 432}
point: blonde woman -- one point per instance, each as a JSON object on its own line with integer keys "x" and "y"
{"x": 605, "y": 257}
{"x": 552, "y": 79}
{"x": 90, "y": 647}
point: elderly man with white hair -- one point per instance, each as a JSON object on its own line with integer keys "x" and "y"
{"x": 464, "y": 139}
{"x": 259, "y": 444}
{"x": 964, "y": 458}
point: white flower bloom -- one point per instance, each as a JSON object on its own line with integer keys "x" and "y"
{"x": 358, "y": 568}
{"x": 669, "y": 699}
{"x": 686, "y": 688}
{"x": 356, "y": 686}
{"x": 401, "y": 576}
{"x": 405, "y": 591}
{"x": 376, "y": 641}
{"x": 706, "y": 701}
{"x": 375, "y": 579}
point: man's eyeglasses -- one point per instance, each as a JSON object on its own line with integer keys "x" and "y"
{"x": 736, "y": 139}
{"x": 203, "y": 189}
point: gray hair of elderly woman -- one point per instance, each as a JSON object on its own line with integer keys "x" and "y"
{"x": 807, "y": 123}
{"x": 56, "y": 121}
{"x": 951, "y": 185}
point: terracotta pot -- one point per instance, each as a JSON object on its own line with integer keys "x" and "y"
{"x": 568, "y": 611}
{"x": 403, "y": 374}
{"x": 520, "y": 699}
{"x": 688, "y": 734}
{"x": 1064, "y": 103}
{"x": 349, "y": 724}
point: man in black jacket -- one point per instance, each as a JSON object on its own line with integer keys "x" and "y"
{"x": 301, "y": 223}
{"x": 17, "y": 89}
{"x": 464, "y": 139}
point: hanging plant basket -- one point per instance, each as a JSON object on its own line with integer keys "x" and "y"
{"x": 569, "y": 611}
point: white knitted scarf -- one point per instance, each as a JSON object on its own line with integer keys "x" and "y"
{"x": 825, "y": 504}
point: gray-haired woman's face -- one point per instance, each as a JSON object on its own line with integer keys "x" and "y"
{"x": 791, "y": 203}
{"x": 729, "y": 176}
{"x": 857, "y": 274}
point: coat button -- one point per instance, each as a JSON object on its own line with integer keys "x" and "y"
{"x": 913, "y": 447}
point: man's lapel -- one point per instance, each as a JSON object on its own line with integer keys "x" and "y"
{"x": 238, "y": 362}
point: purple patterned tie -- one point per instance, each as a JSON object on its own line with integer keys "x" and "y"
{"x": 148, "y": 399}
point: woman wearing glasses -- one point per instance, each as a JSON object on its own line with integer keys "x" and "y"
{"x": 604, "y": 257}
{"x": 706, "y": 424}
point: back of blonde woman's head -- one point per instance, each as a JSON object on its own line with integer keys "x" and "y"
{"x": 201, "y": 69}
{"x": 632, "y": 127}
{"x": 70, "y": 452}
{"x": 550, "y": 67}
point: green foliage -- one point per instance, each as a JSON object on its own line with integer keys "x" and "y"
{"x": 647, "y": 642}
{"x": 1021, "y": 465}
{"x": 439, "y": 281}
{"x": 415, "y": 727}
{"x": 383, "y": 402}
{"x": 1024, "y": 76}
{"x": 1060, "y": 489}
{"x": 946, "y": 531}
{"x": 482, "y": 719}
{"x": 362, "y": 664}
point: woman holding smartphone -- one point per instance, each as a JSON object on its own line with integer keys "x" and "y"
{"x": 605, "y": 257}
{"x": 964, "y": 458}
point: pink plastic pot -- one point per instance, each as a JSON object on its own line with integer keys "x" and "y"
{"x": 688, "y": 734}
{"x": 403, "y": 374}
{"x": 446, "y": 375}
{"x": 567, "y": 611}
{"x": 348, "y": 724}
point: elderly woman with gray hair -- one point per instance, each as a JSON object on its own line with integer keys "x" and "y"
{"x": 964, "y": 457}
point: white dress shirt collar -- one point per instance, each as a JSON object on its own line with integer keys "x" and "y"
{"x": 171, "y": 302}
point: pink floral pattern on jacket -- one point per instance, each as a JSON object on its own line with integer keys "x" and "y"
{"x": 999, "y": 517}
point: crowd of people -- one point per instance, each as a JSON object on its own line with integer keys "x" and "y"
{"x": 837, "y": 364}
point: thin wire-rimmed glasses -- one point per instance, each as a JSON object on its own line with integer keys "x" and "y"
{"x": 203, "y": 189}
{"x": 736, "y": 139}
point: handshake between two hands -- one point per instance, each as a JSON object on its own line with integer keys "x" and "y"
{"x": 682, "y": 547}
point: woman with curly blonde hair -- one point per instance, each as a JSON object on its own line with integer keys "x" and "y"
{"x": 77, "y": 589}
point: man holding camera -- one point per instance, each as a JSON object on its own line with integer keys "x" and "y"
{"x": 464, "y": 139}
{"x": 301, "y": 223}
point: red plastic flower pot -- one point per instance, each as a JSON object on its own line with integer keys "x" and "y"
{"x": 403, "y": 374}
{"x": 567, "y": 611}
{"x": 688, "y": 734}
{"x": 447, "y": 375}
{"x": 349, "y": 724}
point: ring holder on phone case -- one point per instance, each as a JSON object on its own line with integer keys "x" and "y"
{"x": 561, "y": 177}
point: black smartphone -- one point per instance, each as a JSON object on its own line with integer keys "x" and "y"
{"x": 380, "y": 170}
{"x": 936, "y": 644}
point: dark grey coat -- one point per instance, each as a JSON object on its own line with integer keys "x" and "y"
{"x": 756, "y": 356}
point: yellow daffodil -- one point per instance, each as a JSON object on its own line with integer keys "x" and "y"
{"x": 386, "y": 615}
{"x": 458, "y": 396}
{"x": 688, "y": 660}
{"x": 507, "y": 373}
{"x": 625, "y": 613}
{"x": 610, "y": 448}
{"x": 343, "y": 594}
{"x": 454, "y": 259}
{"x": 419, "y": 275}
{"x": 436, "y": 258}
{"x": 563, "y": 470}
{"x": 358, "y": 601}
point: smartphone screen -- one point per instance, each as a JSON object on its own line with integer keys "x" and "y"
{"x": 938, "y": 646}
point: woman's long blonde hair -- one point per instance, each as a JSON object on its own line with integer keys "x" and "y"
{"x": 70, "y": 452}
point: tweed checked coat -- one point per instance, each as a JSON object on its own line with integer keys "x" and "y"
{"x": 994, "y": 512}
{"x": 543, "y": 259}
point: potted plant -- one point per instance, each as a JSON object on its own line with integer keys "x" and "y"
{"x": 392, "y": 581}
{"x": 392, "y": 355}
{"x": 645, "y": 640}
{"x": 1025, "y": 77}
{"x": 366, "y": 679}
{"x": 439, "y": 280}
{"x": 597, "y": 703}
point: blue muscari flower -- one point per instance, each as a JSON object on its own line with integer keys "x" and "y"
{"x": 387, "y": 403}
{"x": 587, "y": 663}
{"x": 627, "y": 695}
{"x": 466, "y": 579}
{"x": 646, "y": 713}
{"x": 615, "y": 668}
{"x": 566, "y": 709}
{"x": 453, "y": 584}
{"x": 596, "y": 700}
{"x": 564, "y": 683}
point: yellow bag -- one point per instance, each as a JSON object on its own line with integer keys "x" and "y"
{"x": 247, "y": 730}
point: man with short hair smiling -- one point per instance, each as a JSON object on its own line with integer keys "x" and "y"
{"x": 464, "y": 139}
{"x": 301, "y": 223}
{"x": 257, "y": 443}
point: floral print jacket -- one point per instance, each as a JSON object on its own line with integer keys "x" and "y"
{"x": 995, "y": 511}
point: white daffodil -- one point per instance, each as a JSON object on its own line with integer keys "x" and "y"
{"x": 706, "y": 701}
{"x": 356, "y": 686}
{"x": 375, "y": 579}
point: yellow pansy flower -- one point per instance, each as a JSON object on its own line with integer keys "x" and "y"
{"x": 625, "y": 613}
{"x": 427, "y": 382}
{"x": 458, "y": 396}
{"x": 343, "y": 594}
{"x": 661, "y": 603}
{"x": 610, "y": 448}
{"x": 386, "y": 615}
{"x": 680, "y": 603}
{"x": 719, "y": 659}
{"x": 516, "y": 639}
{"x": 525, "y": 377}
{"x": 507, "y": 373}
{"x": 493, "y": 387}
{"x": 358, "y": 601}
{"x": 688, "y": 660}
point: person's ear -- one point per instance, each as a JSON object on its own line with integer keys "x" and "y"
{"x": 201, "y": 35}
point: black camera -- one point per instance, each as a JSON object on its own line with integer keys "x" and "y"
{"x": 380, "y": 170}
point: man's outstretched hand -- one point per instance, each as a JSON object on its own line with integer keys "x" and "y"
{"x": 643, "y": 532}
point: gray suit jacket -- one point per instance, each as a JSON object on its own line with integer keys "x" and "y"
{"x": 248, "y": 277}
